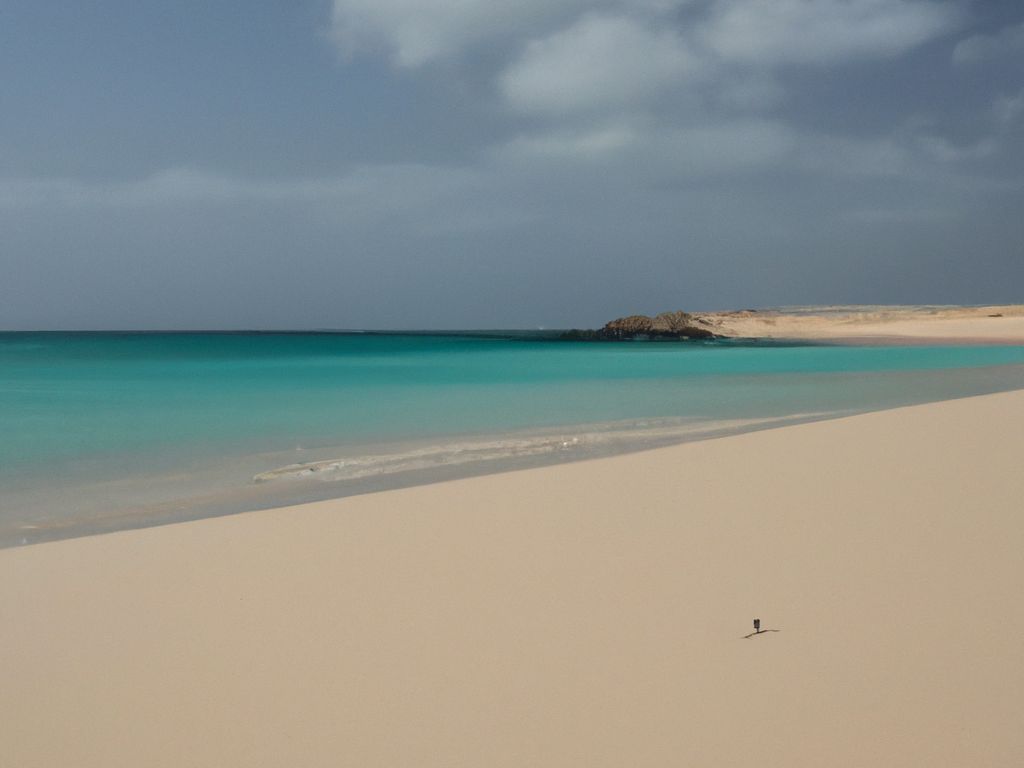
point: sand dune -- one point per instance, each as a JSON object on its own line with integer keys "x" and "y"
{"x": 585, "y": 614}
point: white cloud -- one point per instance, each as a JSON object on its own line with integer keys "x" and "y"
{"x": 599, "y": 62}
{"x": 1008, "y": 41}
{"x": 415, "y": 32}
{"x": 823, "y": 31}
{"x": 419, "y": 31}
{"x": 576, "y": 145}
{"x": 625, "y": 92}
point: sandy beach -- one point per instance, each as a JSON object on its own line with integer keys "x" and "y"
{"x": 583, "y": 614}
{"x": 958, "y": 325}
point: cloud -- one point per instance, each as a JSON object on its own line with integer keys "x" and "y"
{"x": 646, "y": 152}
{"x": 592, "y": 143}
{"x": 575, "y": 154}
{"x": 725, "y": 147}
{"x": 598, "y": 62}
{"x": 416, "y": 32}
{"x": 995, "y": 137}
{"x": 946, "y": 151}
{"x": 823, "y": 31}
{"x": 656, "y": 96}
{"x": 368, "y": 193}
{"x": 1007, "y": 109}
{"x": 1007, "y": 42}
{"x": 753, "y": 91}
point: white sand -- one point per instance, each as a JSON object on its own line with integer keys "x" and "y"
{"x": 995, "y": 324}
{"x": 578, "y": 615}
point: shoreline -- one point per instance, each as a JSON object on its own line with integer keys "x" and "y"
{"x": 107, "y": 493}
{"x": 53, "y": 510}
{"x": 410, "y": 464}
{"x": 905, "y": 341}
{"x": 584, "y": 613}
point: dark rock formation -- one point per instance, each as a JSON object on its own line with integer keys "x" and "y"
{"x": 667, "y": 325}
{"x": 628, "y": 327}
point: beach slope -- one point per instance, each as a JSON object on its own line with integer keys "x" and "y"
{"x": 583, "y": 614}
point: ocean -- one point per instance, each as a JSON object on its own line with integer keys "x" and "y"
{"x": 104, "y": 431}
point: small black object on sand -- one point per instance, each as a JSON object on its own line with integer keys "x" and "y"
{"x": 758, "y": 630}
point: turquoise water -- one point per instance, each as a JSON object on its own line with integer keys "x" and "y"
{"x": 92, "y": 422}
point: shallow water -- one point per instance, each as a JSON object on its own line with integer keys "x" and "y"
{"x": 105, "y": 431}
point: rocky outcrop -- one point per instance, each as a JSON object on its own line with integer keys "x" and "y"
{"x": 667, "y": 325}
{"x": 628, "y": 327}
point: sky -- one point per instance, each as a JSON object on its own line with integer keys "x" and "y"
{"x": 398, "y": 164}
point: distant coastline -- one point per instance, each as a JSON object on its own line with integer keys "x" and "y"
{"x": 845, "y": 323}
{"x": 838, "y": 323}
